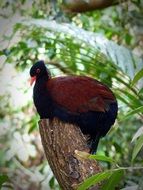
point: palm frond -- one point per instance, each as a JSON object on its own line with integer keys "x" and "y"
{"x": 119, "y": 55}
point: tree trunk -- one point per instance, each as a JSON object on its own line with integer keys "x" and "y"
{"x": 60, "y": 141}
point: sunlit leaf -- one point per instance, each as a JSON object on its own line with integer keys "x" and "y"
{"x": 135, "y": 111}
{"x": 94, "y": 157}
{"x": 138, "y": 134}
{"x": 119, "y": 55}
{"x": 137, "y": 77}
{"x": 137, "y": 148}
{"x": 101, "y": 158}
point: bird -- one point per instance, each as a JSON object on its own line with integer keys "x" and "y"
{"x": 79, "y": 100}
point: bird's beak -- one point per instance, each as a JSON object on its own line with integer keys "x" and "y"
{"x": 32, "y": 80}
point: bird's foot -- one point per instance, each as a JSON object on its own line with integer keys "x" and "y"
{"x": 90, "y": 145}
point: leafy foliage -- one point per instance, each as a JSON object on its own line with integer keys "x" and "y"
{"x": 112, "y": 178}
{"x": 137, "y": 147}
{"x": 137, "y": 77}
{"x": 94, "y": 180}
{"x": 100, "y": 44}
{"x": 3, "y": 179}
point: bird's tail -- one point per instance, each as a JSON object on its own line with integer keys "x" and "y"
{"x": 94, "y": 144}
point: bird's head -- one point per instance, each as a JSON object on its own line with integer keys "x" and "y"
{"x": 38, "y": 70}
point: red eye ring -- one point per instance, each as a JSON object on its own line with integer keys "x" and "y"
{"x": 38, "y": 71}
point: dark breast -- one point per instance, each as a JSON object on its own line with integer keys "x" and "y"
{"x": 91, "y": 122}
{"x": 42, "y": 100}
{"x": 60, "y": 97}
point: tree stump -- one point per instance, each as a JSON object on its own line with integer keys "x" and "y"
{"x": 60, "y": 142}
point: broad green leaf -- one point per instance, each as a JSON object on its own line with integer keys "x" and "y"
{"x": 3, "y": 179}
{"x": 93, "y": 180}
{"x": 101, "y": 158}
{"x": 138, "y": 134}
{"x": 113, "y": 181}
{"x": 137, "y": 147}
{"x": 137, "y": 77}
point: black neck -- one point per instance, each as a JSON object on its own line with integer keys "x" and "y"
{"x": 41, "y": 83}
{"x": 42, "y": 99}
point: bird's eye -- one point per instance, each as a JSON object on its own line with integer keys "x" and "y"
{"x": 38, "y": 71}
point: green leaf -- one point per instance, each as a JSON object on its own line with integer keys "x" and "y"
{"x": 135, "y": 111}
{"x": 94, "y": 180}
{"x": 52, "y": 183}
{"x": 17, "y": 27}
{"x": 128, "y": 39}
{"x": 137, "y": 147}
{"x": 1, "y": 53}
{"x": 101, "y": 158}
{"x": 113, "y": 180}
{"x": 141, "y": 91}
{"x": 33, "y": 126}
{"x": 94, "y": 157}
{"x": 138, "y": 134}
{"x": 133, "y": 187}
{"x": 3, "y": 179}
{"x": 118, "y": 55}
{"x": 137, "y": 77}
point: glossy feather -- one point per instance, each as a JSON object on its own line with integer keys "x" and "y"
{"x": 80, "y": 94}
{"x": 80, "y": 100}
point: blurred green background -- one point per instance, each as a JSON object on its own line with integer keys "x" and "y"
{"x": 104, "y": 44}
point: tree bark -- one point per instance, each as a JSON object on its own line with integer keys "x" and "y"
{"x": 60, "y": 142}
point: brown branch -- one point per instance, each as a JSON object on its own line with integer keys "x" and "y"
{"x": 79, "y": 6}
{"x": 60, "y": 141}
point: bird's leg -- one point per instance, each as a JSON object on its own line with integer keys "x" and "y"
{"x": 93, "y": 144}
